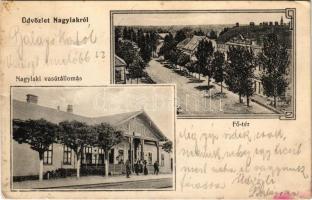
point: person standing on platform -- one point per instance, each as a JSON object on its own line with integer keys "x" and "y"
{"x": 156, "y": 167}
{"x": 145, "y": 168}
{"x": 136, "y": 167}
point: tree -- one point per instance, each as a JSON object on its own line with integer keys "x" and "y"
{"x": 183, "y": 59}
{"x": 213, "y": 35}
{"x": 117, "y": 36}
{"x": 126, "y": 34}
{"x": 167, "y": 146}
{"x": 190, "y": 67}
{"x": 135, "y": 64}
{"x": 240, "y": 72}
{"x": 136, "y": 68}
{"x": 75, "y": 135}
{"x": 204, "y": 55}
{"x": 132, "y": 35}
{"x": 141, "y": 39}
{"x": 146, "y": 49}
{"x": 154, "y": 40}
{"x": 127, "y": 51}
{"x": 169, "y": 44}
{"x": 247, "y": 73}
{"x": 173, "y": 56}
{"x": 39, "y": 134}
{"x": 232, "y": 78}
{"x": 224, "y": 31}
{"x": 180, "y": 35}
{"x": 107, "y": 137}
{"x": 218, "y": 63}
{"x": 199, "y": 33}
{"x": 274, "y": 60}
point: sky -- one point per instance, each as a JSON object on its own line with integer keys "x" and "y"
{"x": 158, "y": 102}
{"x": 195, "y": 18}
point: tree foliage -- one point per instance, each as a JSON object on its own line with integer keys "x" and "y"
{"x": 39, "y": 134}
{"x": 173, "y": 56}
{"x": 129, "y": 52}
{"x": 167, "y": 146}
{"x": 213, "y": 35}
{"x": 107, "y": 136}
{"x": 204, "y": 55}
{"x": 218, "y": 63}
{"x": 199, "y": 33}
{"x": 240, "y": 71}
{"x": 180, "y": 35}
{"x": 274, "y": 60}
{"x": 169, "y": 44}
{"x": 136, "y": 68}
{"x": 75, "y": 135}
{"x": 183, "y": 59}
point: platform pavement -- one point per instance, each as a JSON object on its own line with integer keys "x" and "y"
{"x": 84, "y": 180}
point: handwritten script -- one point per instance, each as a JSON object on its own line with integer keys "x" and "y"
{"x": 58, "y": 47}
{"x": 250, "y": 160}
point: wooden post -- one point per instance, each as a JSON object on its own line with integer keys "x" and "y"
{"x": 142, "y": 149}
{"x": 157, "y": 145}
{"x": 131, "y": 151}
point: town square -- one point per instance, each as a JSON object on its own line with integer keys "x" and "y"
{"x": 220, "y": 69}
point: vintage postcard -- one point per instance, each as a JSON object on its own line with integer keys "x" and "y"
{"x": 155, "y": 100}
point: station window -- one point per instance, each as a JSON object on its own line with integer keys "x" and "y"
{"x": 67, "y": 155}
{"x": 101, "y": 157}
{"x": 48, "y": 156}
{"x": 88, "y": 153}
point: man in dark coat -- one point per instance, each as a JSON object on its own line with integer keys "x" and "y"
{"x": 136, "y": 167}
{"x": 156, "y": 168}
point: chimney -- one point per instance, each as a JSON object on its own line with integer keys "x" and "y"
{"x": 70, "y": 108}
{"x": 58, "y": 108}
{"x": 30, "y": 98}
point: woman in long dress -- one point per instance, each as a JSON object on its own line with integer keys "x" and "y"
{"x": 145, "y": 168}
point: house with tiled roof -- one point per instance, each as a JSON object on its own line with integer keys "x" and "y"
{"x": 143, "y": 140}
{"x": 189, "y": 46}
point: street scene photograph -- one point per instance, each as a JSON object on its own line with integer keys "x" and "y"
{"x": 93, "y": 138}
{"x": 224, "y": 64}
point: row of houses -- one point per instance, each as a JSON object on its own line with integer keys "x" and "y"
{"x": 189, "y": 47}
{"x": 143, "y": 141}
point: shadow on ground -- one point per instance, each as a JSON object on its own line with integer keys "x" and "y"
{"x": 219, "y": 95}
{"x": 182, "y": 73}
{"x": 194, "y": 80}
{"x": 204, "y": 87}
{"x": 147, "y": 79}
